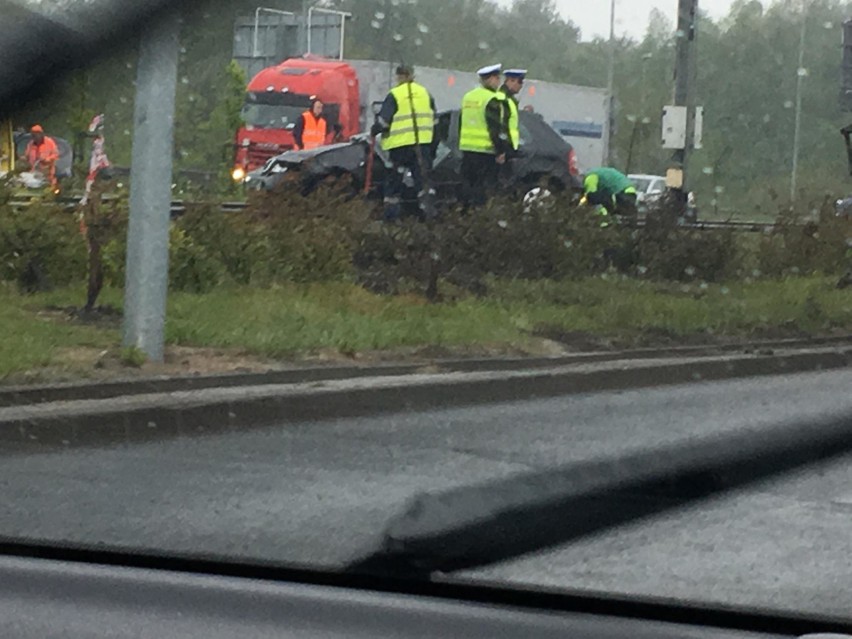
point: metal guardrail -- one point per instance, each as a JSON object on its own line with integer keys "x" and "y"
{"x": 179, "y": 207}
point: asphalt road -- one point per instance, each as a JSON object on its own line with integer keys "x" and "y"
{"x": 320, "y": 493}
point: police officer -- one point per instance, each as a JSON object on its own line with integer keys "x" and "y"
{"x": 513, "y": 83}
{"x": 407, "y": 125}
{"x": 483, "y": 137}
{"x": 610, "y": 190}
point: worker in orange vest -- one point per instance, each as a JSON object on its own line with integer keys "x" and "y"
{"x": 42, "y": 153}
{"x": 311, "y": 129}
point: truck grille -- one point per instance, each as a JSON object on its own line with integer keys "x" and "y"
{"x": 257, "y": 156}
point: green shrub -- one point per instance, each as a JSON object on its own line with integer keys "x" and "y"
{"x": 504, "y": 239}
{"x": 305, "y": 239}
{"x": 234, "y": 240}
{"x": 192, "y": 267}
{"x": 806, "y": 241}
{"x": 133, "y": 357}
{"x": 40, "y": 247}
{"x": 664, "y": 250}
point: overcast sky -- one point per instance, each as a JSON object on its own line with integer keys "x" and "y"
{"x": 631, "y": 16}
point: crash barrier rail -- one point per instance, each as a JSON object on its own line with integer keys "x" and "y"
{"x": 179, "y": 207}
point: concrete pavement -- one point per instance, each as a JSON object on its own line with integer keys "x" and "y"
{"x": 321, "y": 492}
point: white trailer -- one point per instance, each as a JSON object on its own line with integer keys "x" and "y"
{"x": 579, "y": 114}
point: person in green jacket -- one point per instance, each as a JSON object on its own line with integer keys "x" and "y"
{"x": 611, "y": 190}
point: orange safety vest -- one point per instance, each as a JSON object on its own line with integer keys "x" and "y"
{"x": 45, "y": 155}
{"x": 316, "y": 130}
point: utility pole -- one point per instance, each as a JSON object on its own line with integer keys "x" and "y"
{"x": 610, "y": 87}
{"x": 801, "y": 72}
{"x": 684, "y": 94}
{"x": 147, "y": 277}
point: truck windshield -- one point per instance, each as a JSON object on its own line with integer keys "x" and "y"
{"x": 271, "y": 116}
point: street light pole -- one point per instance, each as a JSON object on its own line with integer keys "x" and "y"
{"x": 801, "y": 72}
{"x": 610, "y": 85}
{"x": 147, "y": 272}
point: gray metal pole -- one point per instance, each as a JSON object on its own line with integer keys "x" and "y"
{"x": 684, "y": 76}
{"x": 256, "y": 27}
{"x": 303, "y": 27}
{"x": 800, "y": 77}
{"x": 610, "y": 86}
{"x": 150, "y": 189}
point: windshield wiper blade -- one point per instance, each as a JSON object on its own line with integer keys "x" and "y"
{"x": 474, "y": 527}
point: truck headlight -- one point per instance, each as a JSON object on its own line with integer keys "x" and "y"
{"x": 239, "y": 174}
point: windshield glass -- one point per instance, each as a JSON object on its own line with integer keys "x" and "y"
{"x": 642, "y": 184}
{"x": 558, "y": 255}
{"x": 269, "y": 116}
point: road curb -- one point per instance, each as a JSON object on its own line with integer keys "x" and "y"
{"x": 22, "y": 395}
{"x": 217, "y": 410}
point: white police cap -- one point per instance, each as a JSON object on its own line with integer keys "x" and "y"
{"x": 489, "y": 70}
{"x": 515, "y": 73}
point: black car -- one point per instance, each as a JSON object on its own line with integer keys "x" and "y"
{"x": 544, "y": 159}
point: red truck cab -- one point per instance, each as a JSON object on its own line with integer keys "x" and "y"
{"x": 276, "y": 98}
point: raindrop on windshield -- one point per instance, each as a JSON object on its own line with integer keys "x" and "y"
{"x": 484, "y": 46}
{"x": 423, "y": 28}
{"x": 707, "y": 170}
{"x": 397, "y": 37}
{"x": 379, "y": 15}
{"x": 376, "y": 24}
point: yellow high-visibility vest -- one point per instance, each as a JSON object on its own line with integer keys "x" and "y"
{"x": 414, "y": 120}
{"x": 473, "y": 135}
